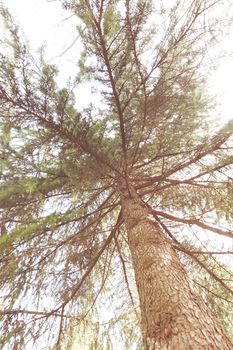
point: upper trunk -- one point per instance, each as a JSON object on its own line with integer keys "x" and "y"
{"x": 174, "y": 316}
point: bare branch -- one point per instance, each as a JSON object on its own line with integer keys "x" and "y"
{"x": 192, "y": 222}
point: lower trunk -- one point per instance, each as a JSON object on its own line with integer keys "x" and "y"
{"x": 174, "y": 316}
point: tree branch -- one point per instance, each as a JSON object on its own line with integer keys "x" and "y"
{"x": 192, "y": 222}
{"x": 92, "y": 264}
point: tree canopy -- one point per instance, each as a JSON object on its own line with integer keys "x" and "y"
{"x": 64, "y": 248}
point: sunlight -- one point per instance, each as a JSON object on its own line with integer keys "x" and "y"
{"x": 221, "y": 85}
{"x": 48, "y": 24}
{"x": 116, "y": 174}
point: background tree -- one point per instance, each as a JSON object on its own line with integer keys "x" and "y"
{"x": 89, "y": 198}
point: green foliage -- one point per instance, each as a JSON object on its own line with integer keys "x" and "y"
{"x": 218, "y": 298}
{"x": 111, "y": 21}
{"x": 64, "y": 253}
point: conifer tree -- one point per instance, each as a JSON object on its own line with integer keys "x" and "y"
{"x": 106, "y": 202}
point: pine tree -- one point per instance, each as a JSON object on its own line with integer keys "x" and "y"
{"x": 92, "y": 200}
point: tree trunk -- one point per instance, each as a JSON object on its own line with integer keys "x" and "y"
{"x": 174, "y": 316}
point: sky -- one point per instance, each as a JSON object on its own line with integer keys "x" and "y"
{"x": 45, "y": 22}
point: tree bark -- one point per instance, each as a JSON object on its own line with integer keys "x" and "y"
{"x": 173, "y": 314}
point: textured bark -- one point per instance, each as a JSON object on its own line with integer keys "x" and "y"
{"x": 174, "y": 316}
